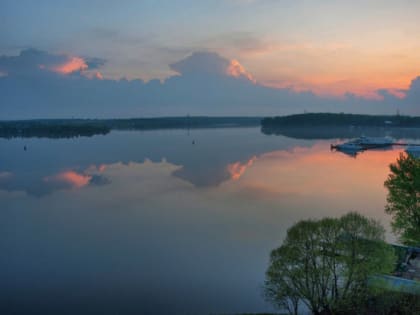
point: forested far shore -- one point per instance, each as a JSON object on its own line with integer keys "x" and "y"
{"x": 52, "y": 129}
{"x": 341, "y": 119}
{"x": 295, "y": 125}
{"x": 69, "y": 128}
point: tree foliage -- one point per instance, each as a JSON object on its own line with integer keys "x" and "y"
{"x": 324, "y": 264}
{"x": 388, "y": 302}
{"x": 403, "y": 201}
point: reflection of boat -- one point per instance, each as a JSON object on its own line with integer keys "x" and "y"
{"x": 350, "y": 148}
{"x": 413, "y": 150}
{"x": 351, "y": 153}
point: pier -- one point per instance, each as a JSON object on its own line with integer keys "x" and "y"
{"x": 378, "y": 145}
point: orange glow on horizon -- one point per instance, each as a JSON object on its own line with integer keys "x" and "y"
{"x": 333, "y": 69}
{"x": 329, "y": 87}
{"x": 317, "y": 172}
{"x": 397, "y": 93}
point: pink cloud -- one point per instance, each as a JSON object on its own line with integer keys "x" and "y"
{"x": 73, "y": 64}
{"x": 235, "y": 69}
{"x": 99, "y": 75}
{"x": 237, "y": 169}
{"x": 96, "y": 169}
{"x": 71, "y": 178}
{"x": 397, "y": 93}
{"x": 101, "y": 168}
{"x": 93, "y": 75}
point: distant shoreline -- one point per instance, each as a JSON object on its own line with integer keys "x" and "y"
{"x": 291, "y": 124}
{"x": 332, "y": 126}
{"x": 70, "y": 128}
{"x": 332, "y": 119}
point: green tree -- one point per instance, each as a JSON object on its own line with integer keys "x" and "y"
{"x": 403, "y": 200}
{"x": 325, "y": 264}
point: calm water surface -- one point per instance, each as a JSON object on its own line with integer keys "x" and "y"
{"x": 150, "y": 223}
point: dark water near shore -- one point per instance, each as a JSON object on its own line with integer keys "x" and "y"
{"x": 165, "y": 222}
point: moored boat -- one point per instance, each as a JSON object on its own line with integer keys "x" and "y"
{"x": 364, "y": 143}
{"x": 373, "y": 142}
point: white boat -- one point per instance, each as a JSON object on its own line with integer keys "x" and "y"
{"x": 363, "y": 143}
{"x": 373, "y": 142}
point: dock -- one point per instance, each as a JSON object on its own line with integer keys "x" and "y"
{"x": 373, "y": 146}
{"x": 364, "y": 143}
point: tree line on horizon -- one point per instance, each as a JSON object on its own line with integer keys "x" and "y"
{"x": 340, "y": 119}
{"x": 65, "y": 128}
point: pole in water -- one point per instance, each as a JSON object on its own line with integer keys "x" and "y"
{"x": 24, "y": 148}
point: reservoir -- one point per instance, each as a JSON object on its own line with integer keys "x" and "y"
{"x": 166, "y": 221}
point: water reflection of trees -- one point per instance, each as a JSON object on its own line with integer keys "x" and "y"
{"x": 334, "y": 132}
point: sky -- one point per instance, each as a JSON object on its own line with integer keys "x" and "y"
{"x": 333, "y": 50}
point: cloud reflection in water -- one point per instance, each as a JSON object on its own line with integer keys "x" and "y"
{"x": 138, "y": 231}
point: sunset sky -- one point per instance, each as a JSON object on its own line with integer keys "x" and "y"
{"x": 327, "y": 47}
